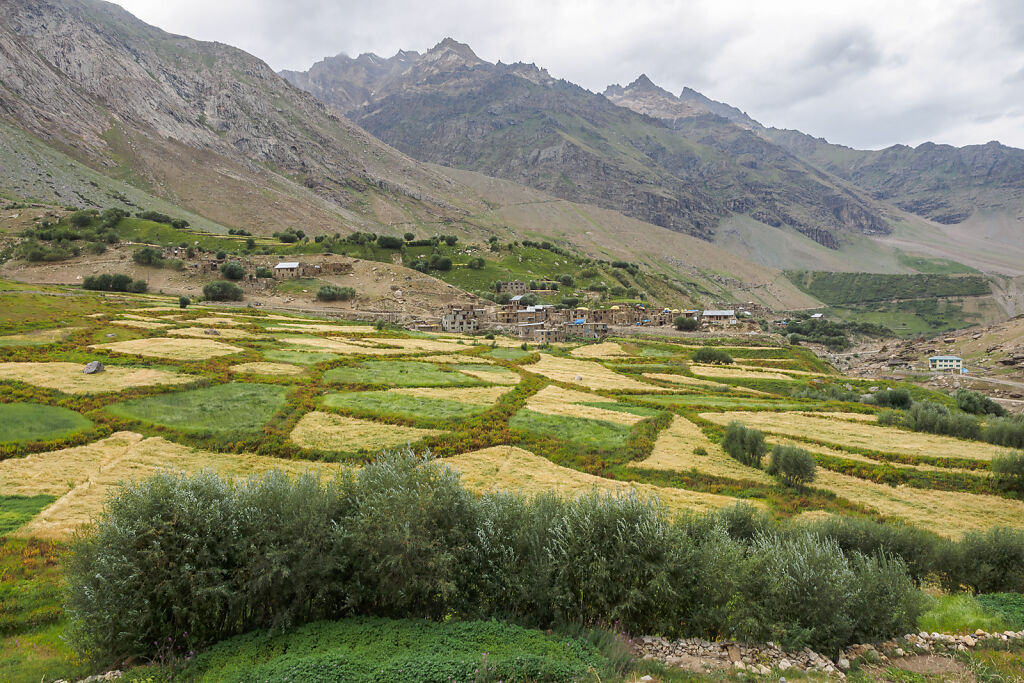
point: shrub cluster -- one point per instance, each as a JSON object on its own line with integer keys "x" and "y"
{"x": 151, "y": 256}
{"x": 114, "y": 283}
{"x": 685, "y": 324}
{"x": 222, "y": 290}
{"x": 709, "y": 354}
{"x": 744, "y": 444}
{"x": 793, "y": 465}
{"x": 892, "y": 398}
{"x": 978, "y": 404}
{"x": 934, "y": 418}
{"x": 1008, "y": 470}
{"x": 402, "y": 538}
{"x": 233, "y": 270}
{"x": 334, "y": 293}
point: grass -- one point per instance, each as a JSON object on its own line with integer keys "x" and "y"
{"x": 481, "y": 396}
{"x": 398, "y": 374}
{"x": 37, "y": 337}
{"x": 17, "y": 510}
{"x": 602, "y": 350}
{"x": 960, "y": 613}
{"x": 720, "y": 401}
{"x": 20, "y": 422}
{"x": 391, "y": 404}
{"x": 366, "y": 649}
{"x": 1010, "y": 606}
{"x": 69, "y": 378}
{"x": 582, "y": 432}
{"x": 488, "y": 373}
{"x": 338, "y": 433}
{"x": 169, "y": 347}
{"x": 226, "y": 408}
{"x": 31, "y": 621}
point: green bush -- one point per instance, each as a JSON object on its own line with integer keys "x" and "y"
{"x": 389, "y": 242}
{"x": 476, "y": 263}
{"x": 148, "y": 256}
{"x": 1005, "y": 431}
{"x": 233, "y": 270}
{"x": 264, "y": 272}
{"x": 986, "y": 562}
{"x": 978, "y": 404}
{"x": 221, "y": 290}
{"x": 934, "y": 418}
{"x": 184, "y": 301}
{"x": 892, "y": 398}
{"x": 709, "y": 354}
{"x": 211, "y": 558}
{"x": 793, "y": 465}
{"x": 743, "y": 444}
{"x": 333, "y": 293}
{"x": 685, "y": 324}
{"x": 1008, "y": 470}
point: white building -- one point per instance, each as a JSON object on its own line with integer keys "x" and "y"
{"x": 946, "y": 364}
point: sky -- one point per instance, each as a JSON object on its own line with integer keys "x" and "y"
{"x": 862, "y": 73}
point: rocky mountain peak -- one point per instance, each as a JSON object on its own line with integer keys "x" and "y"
{"x": 452, "y": 52}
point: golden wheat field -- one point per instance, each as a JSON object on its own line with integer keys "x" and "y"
{"x": 508, "y": 468}
{"x": 69, "y": 378}
{"x": 947, "y": 513}
{"x": 732, "y": 371}
{"x": 678, "y": 446}
{"x": 88, "y": 474}
{"x": 261, "y": 368}
{"x": 327, "y": 431}
{"x": 586, "y": 373}
{"x": 602, "y": 350}
{"x": 496, "y": 376}
{"x": 859, "y": 435}
{"x": 169, "y": 347}
{"x": 208, "y": 333}
{"x": 686, "y": 380}
{"x": 554, "y": 400}
{"x": 141, "y": 324}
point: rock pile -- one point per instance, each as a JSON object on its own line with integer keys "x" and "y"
{"x": 696, "y": 654}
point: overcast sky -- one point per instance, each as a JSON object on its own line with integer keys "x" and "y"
{"x": 864, "y": 73}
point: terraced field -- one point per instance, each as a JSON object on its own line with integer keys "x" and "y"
{"x": 242, "y": 391}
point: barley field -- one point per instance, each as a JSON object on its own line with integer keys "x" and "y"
{"x": 612, "y": 415}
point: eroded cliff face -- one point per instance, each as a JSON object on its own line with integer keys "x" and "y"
{"x": 87, "y": 76}
{"x": 634, "y": 149}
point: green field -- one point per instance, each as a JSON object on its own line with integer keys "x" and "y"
{"x": 16, "y": 510}
{"x": 398, "y": 373}
{"x": 386, "y": 404}
{"x": 580, "y": 432}
{"x": 300, "y": 357}
{"x": 226, "y": 408}
{"x": 34, "y": 422}
{"x": 858, "y": 288}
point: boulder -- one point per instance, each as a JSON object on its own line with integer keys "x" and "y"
{"x": 93, "y": 367}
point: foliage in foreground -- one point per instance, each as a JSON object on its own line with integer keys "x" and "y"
{"x": 402, "y": 538}
{"x": 366, "y": 649}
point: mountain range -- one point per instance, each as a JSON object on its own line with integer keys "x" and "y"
{"x": 99, "y": 109}
{"x": 684, "y": 162}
